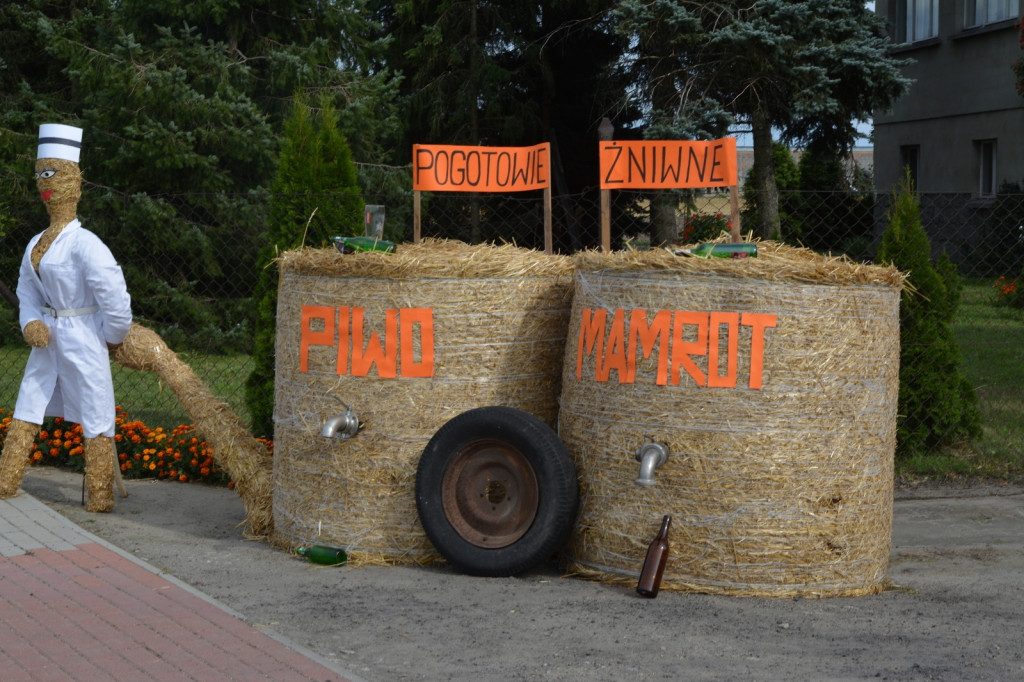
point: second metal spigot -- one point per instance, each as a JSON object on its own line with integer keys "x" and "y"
{"x": 651, "y": 456}
{"x": 344, "y": 425}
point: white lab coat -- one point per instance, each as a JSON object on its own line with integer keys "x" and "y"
{"x": 71, "y": 377}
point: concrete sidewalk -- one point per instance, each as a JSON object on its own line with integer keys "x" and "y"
{"x": 72, "y": 606}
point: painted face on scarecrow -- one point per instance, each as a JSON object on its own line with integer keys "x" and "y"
{"x": 59, "y": 181}
{"x": 57, "y": 173}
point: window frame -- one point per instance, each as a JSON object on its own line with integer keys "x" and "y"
{"x": 910, "y": 156}
{"x": 987, "y": 164}
{"x": 1008, "y": 10}
{"x": 907, "y": 16}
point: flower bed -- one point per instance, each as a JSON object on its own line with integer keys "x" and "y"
{"x": 178, "y": 455}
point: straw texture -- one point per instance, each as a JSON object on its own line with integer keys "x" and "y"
{"x": 499, "y": 317}
{"x": 241, "y": 456}
{"x": 21, "y": 435}
{"x": 781, "y": 490}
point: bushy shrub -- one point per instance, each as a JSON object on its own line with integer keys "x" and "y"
{"x": 703, "y": 227}
{"x": 316, "y": 195}
{"x": 938, "y": 406}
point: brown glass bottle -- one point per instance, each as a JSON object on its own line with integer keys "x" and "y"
{"x": 654, "y": 564}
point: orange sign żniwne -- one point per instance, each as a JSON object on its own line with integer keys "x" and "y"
{"x": 668, "y": 164}
{"x": 456, "y": 168}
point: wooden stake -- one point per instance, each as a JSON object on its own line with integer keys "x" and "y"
{"x": 734, "y": 209}
{"x": 549, "y": 246}
{"x": 416, "y": 216}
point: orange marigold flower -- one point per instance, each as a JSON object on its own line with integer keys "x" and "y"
{"x": 54, "y": 452}
{"x": 205, "y": 471}
{"x": 183, "y": 478}
{"x": 152, "y": 466}
{"x": 44, "y": 435}
{"x": 36, "y": 456}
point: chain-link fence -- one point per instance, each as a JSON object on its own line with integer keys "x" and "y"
{"x": 983, "y": 237}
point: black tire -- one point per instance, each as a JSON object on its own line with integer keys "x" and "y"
{"x": 496, "y": 491}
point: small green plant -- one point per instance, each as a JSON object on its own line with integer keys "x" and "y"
{"x": 937, "y": 404}
{"x": 315, "y": 163}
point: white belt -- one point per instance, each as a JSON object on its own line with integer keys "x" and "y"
{"x": 69, "y": 312}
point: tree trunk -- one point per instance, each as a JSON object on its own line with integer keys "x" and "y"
{"x": 664, "y": 224}
{"x": 764, "y": 179}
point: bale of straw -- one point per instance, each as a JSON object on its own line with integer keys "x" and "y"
{"x": 241, "y": 456}
{"x": 499, "y": 317}
{"x": 781, "y": 490}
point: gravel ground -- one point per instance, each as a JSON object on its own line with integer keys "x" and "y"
{"x": 954, "y": 612}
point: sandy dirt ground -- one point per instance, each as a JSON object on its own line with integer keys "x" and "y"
{"x": 955, "y": 611}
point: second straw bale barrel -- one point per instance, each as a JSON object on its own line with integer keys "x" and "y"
{"x": 406, "y": 341}
{"x": 771, "y": 382}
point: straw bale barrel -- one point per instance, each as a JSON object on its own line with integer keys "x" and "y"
{"x": 464, "y": 326}
{"x": 772, "y": 384}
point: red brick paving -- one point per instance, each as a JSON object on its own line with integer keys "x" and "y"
{"x": 89, "y": 613}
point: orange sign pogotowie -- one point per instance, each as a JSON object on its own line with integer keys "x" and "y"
{"x": 454, "y": 168}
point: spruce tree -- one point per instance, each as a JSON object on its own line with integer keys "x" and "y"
{"x": 315, "y": 196}
{"x": 937, "y": 404}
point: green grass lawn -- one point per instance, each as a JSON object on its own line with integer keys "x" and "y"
{"x": 142, "y": 395}
{"x": 991, "y": 340}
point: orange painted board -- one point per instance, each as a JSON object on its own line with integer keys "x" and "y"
{"x": 668, "y": 164}
{"x": 456, "y": 168}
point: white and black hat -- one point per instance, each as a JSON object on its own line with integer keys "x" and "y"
{"x": 58, "y": 141}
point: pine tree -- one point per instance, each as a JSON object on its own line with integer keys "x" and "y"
{"x": 807, "y": 68}
{"x": 937, "y": 404}
{"x": 315, "y": 196}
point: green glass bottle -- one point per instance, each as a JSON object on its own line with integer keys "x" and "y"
{"x": 732, "y": 250}
{"x": 321, "y": 554}
{"x": 353, "y": 244}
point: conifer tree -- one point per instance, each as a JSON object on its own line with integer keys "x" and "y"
{"x": 937, "y": 404}
{"x": 315, "y": 196}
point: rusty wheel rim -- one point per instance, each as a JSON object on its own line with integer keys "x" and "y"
{"x": 490, "y": 494}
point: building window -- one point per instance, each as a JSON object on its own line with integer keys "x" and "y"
{"x": 981, "y": 12}
{"x": 909, "y": 160}
{"x": 917, "y": 20}
{"x": 986, "y": 168}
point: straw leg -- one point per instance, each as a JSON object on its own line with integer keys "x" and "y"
{"x": 99, "y": 474}
{"x": 17, "y": 451}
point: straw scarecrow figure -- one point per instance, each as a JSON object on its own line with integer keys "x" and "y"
{"x": 75, "y": 309}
